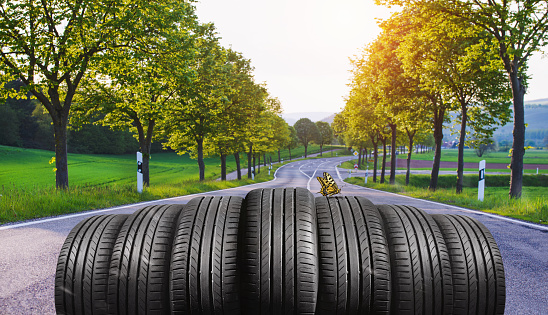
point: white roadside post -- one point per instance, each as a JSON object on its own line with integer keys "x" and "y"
{"x": 139, "y": 172}
{"x": 481, "y": 182}
{"x": 252, "y": 173}
{"x": 366, "y": 173}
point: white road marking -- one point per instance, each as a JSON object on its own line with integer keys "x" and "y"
{"x": 304, "y": 172}
{"x": 313, "y": 175}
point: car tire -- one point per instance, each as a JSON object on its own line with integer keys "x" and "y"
{"x": 204, "y": 275}
{"x": 477, "y": 269}
{"x": 354, "y": 258}
{"x": 278, "y": 252}
{"x": 420, "y": 263}
{"x": 139, "y": 270}
{"x": 83, "y": 266}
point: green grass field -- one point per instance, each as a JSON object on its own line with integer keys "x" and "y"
{"x": 451, "y": 155}
{"x": 350, "y": 165}
{"x": 27, "y": 180}
{"x": 533, "y": 205}
{"x": 28, "y": 168}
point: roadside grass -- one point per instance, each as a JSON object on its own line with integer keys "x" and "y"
{"x": 24, "y": 203}
{"x": 451, "y": 155}
{"x": 532, "y": 206}
{"x": 27, "y": 183}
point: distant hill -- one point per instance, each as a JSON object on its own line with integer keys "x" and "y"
{"x": 291, "y": 118}
{"x": 536, "y": 118}
{"x": 541, "y": 101}
{"x": 329, "y": 119}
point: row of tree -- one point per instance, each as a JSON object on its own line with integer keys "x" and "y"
{"x": 434, "y": 57}
{"x": 147, "y": 66}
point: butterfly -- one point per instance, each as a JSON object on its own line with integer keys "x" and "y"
{"x": 329, "y": 187}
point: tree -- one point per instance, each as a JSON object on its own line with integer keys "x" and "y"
{"x": 326, "y": 134}
{"x": 264, "y": 137}
{"x": 281, "y": 134}
{"x": 51, "y": 49}
{"x": 199, "y": 101}
{"x": 256, "y": 98}
{"x": 519, "y": 27}
{"x": 458, "y": 64}
{"x": 414, "y": 125}
{"x": 130, "y": 88}
{"x": 293, "y": 141}
{"x": 483, "y": 145}
{"x": 230, "y": 131}
{"x": 438, "y": 101}
{"x": 307, "y": 132}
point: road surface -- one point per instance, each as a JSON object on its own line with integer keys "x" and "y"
{"x": 29, "y": 250}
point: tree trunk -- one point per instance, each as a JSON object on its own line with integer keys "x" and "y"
{"x": 321, "y": 148}
{"x": 518, "y": 147}
{"x": 223, "y": 166}
{"x": 410, "y": 135}
{"x": 145, "y": 168}
{"x": 254, "y": 165}
{"x": 393, "y": 156}
{"x": 383, "y": 166}
{"x": 438, "y": 139}
{"x": 289, "y": 148}
{"x": 359, "y": 157}
{"x": 375, "y": 158}
{"x": 249, "y": 157}
{"x": 460, "y": 160}
{"x": 279, "y": 156}
{"x": 201, "y": 164}
{"x": 305, "y": 150}
{"x": 145, "y": 143}
{"x": 238, "y": 169}
{"x": 259, "y": 163}
{"x": 61, "y": 159}
{"x": 264, "y": 159}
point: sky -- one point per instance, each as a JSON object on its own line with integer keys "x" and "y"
{"x": 301, "y": 48}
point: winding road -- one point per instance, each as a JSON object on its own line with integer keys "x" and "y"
{"x": 29, "y": 250}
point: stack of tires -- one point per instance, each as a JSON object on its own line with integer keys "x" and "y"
{"x": 280, "y": 251}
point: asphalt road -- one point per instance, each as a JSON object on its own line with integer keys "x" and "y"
{"x": 29, "y": 250}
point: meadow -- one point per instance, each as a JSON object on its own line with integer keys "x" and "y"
{"x": 27, "y": 180}
{"x": 30, "y": 169}
{"x": 451, "y": 155}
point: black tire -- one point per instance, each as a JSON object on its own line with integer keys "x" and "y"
{"x": 278, "y": 252}
{"x": 420, "y": 262}
{"x": 204, "y": 277}
{"x": 139, "y": 270}
{"x": 354, "y": 258}
{"x": 478, "y": 272}
{"x": 82, "y": 268}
